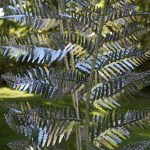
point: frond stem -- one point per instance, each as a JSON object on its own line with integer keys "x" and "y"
{"x": 91, "y": 78}
{"x": 73, "y": 94}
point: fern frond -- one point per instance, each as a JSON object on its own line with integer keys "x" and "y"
{"x": 18, "y": 106}
{"x": 136, "y": 86}
{"x": 85, "y": 62}
{"x": 127, "y": 41}
{"x": 20, "y": 144}
{"x": 32, "y": 39}
{"x": 105, "y": 59}
{"x": 33, "y": 22}
{"x": 129, "y": 34}
{"x": 85, "y": 42}
{"x": 111, "y": 138}
{"x": 86, "y": 20}
{"x": 57, "y": 113}
{"x": 39, "y": 54}
{"x": 108, "y": 103}
{"x": 80, "y": 3}
{"x": 40, "y": 130}
{"x": 128, "y": 81}
{"x": 26, "y": 144}
{"x": 126, "y": 12}
{"x": 115, "y": 48}
{"x": 145, "y": 145}
{"x": 110, "y": 132}
{"x": 43, "y": 17}
{"x": 84, "y": 32}
{"x": 122, "y": 66}
{"x": 36, "y": 47}
{"x": 48, "y": 83}
{"x": 118, "y": 3}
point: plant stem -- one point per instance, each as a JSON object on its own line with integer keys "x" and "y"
{"x": 78, "y": 130}
{"x": 76, "y": 105}
{"x": 73, "y": 94}
{"x": 91, "y": 78}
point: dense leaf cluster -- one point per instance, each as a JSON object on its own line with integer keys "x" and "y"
{"x": 90, "y": 40}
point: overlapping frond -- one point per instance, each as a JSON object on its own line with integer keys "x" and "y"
{"x": 45, "y": 48}
{"x": 32, "y": 47}
{"x": 81, "y": 44}
{"x": 48, "y": 83}
{"x": 121, "y": 67}
{"x": 108, "y": 133}
{"x": 20, "y": 144}
{"x": 108, "y": 59}
{"x": 118, "y": 2}
{"x": 107, "y": 103}
{"x": 26, "y": 144}
{"x": 76, "y": 23}
{"x": 24, "y": 13}
{"x": 43, "y": 130}
{"x": 80, "y": 3}
{"x": 18, "y": 106}
{"x": 85, "y": 20}
{"x": 110, "y": 87}
{"x": 111, "y": 138}
{"x": 105, "y": 95}
{"x": 47, "y": 16}
{"x": 145, "y": 145}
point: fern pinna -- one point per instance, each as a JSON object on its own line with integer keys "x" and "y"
{"x": 89, "y": 49}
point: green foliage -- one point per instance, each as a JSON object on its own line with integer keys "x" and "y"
{"x": 139, "y": 145}
{"x": 97, "y": 41}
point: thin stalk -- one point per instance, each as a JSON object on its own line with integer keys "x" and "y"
{"x": 91, "y": 78}
{"x": 78, "y": 130}
{"x": 76, "y": 105}
{"x": 73, "y": 94}
{"x": 62, "y": 31}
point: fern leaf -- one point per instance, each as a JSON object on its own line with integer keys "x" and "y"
{"x": 105, "y": 141}
{"x": 116, "y": 132}
{"x": 26, "y": 144}
{"x": 105, "y": 59}
{"x": 42, "y": 18}
{"x": 80, "y": 3}
{"x": 123, "y": 66}
{"x": 45, "y": 131}
{"x": 39, "y": 54}
{"x": 36, "y": 47}
{"x": 126, "y": 11}
{"x": 22, "y": 144}
{"x": 118, "y": 3}
{"x": 106, "y": 103}
{"x": 109, "y": 88}
{"x": 138, "y": 145}
{"x": 47, "y": 83}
